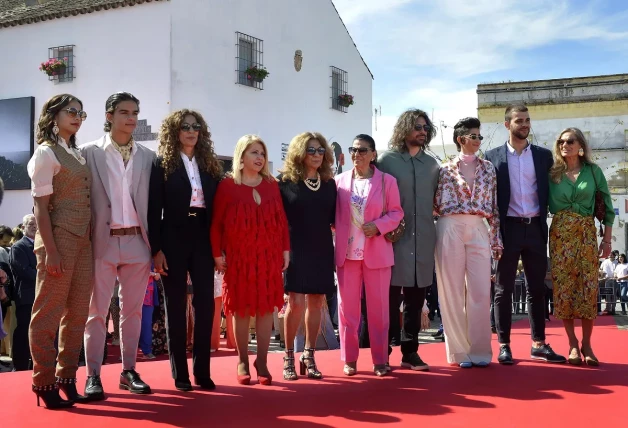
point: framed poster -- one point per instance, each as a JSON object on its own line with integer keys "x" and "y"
{"x": 17, "y": 138}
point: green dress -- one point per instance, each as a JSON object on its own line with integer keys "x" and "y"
{"x": 573, "y": 242}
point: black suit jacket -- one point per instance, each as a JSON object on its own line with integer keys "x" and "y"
{"x": 543, "y": 161}
{"x": 169, "y": 205}
{"x": 24, "y": 266}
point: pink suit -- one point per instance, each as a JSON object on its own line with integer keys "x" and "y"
{"x": 373, "y": 271}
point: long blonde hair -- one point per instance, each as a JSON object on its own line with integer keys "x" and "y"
{"x": 560, "y": 166}
{"x": 242, "y": 146}
{"x": 294, "y": 166}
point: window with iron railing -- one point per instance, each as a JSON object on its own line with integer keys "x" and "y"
{"x": 65, "y": 54}
{"x": 249, "y": 61}
{"x": 339, "y": 86}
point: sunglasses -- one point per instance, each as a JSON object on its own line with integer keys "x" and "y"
{"x": 569, "y": 142}
{"x": 474, "y": 137}
{"x": 426, "y": 128}
{"x": 361, "y": 150}
{"x": 312, "y": 151}
{"x": 72, "y": 112}
{"x": 187, "y": 127}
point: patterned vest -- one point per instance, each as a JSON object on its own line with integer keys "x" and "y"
{"x": 70, "y": 199}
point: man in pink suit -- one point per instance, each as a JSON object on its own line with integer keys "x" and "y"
{"x": 367, "y": 207}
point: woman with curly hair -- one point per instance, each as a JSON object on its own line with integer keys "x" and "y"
{"x": 308, "y": 191}
{"x": 251, "y": 246}
{"x": 183, "y": 183}
{"x": 61, "y": 191}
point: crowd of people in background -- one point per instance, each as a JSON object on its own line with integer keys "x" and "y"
{"x": 118, "y": 229}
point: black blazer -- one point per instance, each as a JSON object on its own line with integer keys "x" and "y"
{"x": 543, "y": 161}
{"x": 169, "y": 205}
{"x": 24, "y": 266}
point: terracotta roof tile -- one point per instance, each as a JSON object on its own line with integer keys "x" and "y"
{"x": 16, "y": 12}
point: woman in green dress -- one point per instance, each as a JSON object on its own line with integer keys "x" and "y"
{"x": 574, "y": 251}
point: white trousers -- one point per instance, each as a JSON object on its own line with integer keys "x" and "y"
{"x": 463, "y": 273}
{"x": 128, "y": 259}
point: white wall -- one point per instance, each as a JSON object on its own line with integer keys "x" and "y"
{"x": 120, "y": 49}
{"x": 291, "y": 102}
{"x": 182, "y": 54}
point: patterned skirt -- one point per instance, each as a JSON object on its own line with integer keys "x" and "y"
{"x": 574, "y": 261}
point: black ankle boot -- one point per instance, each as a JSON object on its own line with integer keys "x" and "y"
{"x": 68, "y": 386}
{"x": 51, "y": 397}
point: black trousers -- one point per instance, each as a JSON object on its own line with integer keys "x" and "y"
{"x": 407, "y": 335}
{"x": 21, "y": 346}
{"x": 192, "y": 255}
{"x": 525, "y": 241}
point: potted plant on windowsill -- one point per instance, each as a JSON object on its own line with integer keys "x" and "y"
{"x": 345, "y": 100}
{"x": 256, "y": 74}
{"x": 54, "y": 66}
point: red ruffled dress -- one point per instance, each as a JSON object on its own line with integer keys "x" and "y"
{"x": 253, "y": 238}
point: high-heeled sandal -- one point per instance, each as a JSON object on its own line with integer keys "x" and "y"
{"x": 263, "y": 380}
{"x": 574, "y": 356}
{"x": 51, "y": 397}
{"x": 289, "y": 372}
{"x": 310, "y": 366}
{"x": 68, "y": 386}
{"x": 380, "y": 370}
{"x": 350, "y": 369}
{"x": 244, "y": 379}
{"x": 590, "y": 360}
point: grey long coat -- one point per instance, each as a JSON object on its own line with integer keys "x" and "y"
{"x": 417, "y": 178}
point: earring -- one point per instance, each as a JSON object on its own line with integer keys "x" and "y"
{"x": 55, "y": 128}
{"x": 581, "y": 152}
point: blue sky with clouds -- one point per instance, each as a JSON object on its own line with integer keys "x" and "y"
{"x": 432, "y": 54}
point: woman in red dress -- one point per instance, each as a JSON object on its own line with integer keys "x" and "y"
{"x": 251, "y": 245}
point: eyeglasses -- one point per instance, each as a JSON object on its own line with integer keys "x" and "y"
{"x": 312, "y": 151}
{"x": 361, "y": 150}
{"x": 187, "y": 127}
{"x": 569, "y": 142}
{"x": 426, "y": 128}
{"x": 72, "y": 112}
{"x": 474, "y": 137}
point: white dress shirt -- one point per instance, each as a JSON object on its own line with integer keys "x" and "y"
{"x": 524, "y": 199}
{"x": 608, "y": 267}
{"x": 191, "y": 167}
{"x": 123, "y": 214}
{"x": 44, "y": 165}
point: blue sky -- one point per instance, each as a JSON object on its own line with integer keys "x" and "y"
{"x": 432, "y": 54}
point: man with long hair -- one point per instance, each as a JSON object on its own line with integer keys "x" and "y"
{"x": 417, "y": 176}
{"x": 120, "y": 171}
{"x": 522, "y": 197}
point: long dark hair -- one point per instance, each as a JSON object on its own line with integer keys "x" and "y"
{"x": 47, "y": 118}
{"x": 405, "y": 125}
{"x": 113, "y": 101}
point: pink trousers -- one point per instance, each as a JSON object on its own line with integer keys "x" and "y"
{"x": 376, "y": 282}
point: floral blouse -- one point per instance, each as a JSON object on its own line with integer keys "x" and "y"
{"x": 453, "y": 195}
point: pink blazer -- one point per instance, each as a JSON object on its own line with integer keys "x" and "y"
{"x": 378, "y": 252}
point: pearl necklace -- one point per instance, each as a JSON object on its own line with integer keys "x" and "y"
{"x": 313, "y": 185}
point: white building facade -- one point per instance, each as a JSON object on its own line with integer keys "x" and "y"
{"x": 175, "y": 54}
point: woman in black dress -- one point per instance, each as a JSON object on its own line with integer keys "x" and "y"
{"x": 309, "y": 198}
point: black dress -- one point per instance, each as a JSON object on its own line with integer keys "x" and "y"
{"x": 310, "y": 216}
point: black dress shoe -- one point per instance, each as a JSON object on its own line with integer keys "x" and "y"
{"x": 505, "y": 355}
{"x": 547, "y": 354}
{"x": 183, "y": 385}
{"x": 93, "y": 388}
{"x": 205, "y": 383}
{"x": 130, "y": 380}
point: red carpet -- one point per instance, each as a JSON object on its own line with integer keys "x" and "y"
{"x": 527, "y": 394}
